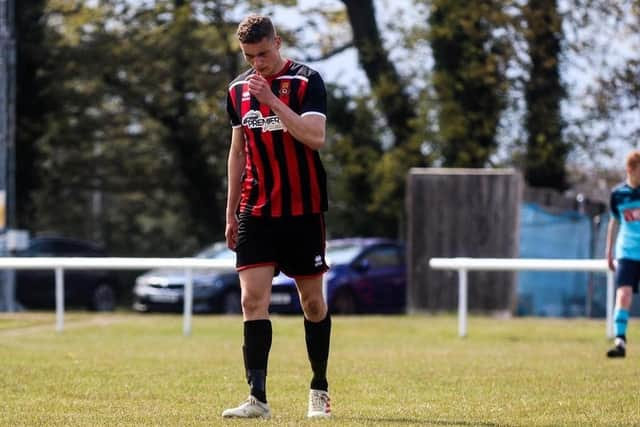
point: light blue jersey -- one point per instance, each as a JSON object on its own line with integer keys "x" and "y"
{"x": 625, "y": 207}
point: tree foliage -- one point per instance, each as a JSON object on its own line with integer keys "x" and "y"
{"x": 547, "y": 150}
{"x": 136, "y": 155}
{"x": 395, "y": 100}
{"x": 469, "y": 78}
{"x": 353, "y": 148}
{"x": 123, "y": 137}
{"x": 603, "y": 37}
{"x": 34, "y": 99}
{"x": 389, "y": 88}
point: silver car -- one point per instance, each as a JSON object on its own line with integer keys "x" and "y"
{"x": 214, "y": 291}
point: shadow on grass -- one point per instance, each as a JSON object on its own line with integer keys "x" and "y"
{"x": 417, "y": 421}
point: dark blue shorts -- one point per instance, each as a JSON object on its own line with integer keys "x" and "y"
{"x": 628, "y": 273}
{"x": 294, "y": 245}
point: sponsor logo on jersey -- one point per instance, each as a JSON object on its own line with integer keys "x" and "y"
{"x": 254, "y": 120}
{"x": 631, "y": 215}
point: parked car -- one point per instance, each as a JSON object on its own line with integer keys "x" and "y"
{"x": 93, "y": 289}
{"x": 367, "y": 275}
{"x": 215, "y": 290}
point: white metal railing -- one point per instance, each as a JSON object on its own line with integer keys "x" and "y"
{"x": 464, "y": 265}
{"x": 114, "y": 263}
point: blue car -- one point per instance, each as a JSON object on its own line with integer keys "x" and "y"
{"x": 367, "y": 275}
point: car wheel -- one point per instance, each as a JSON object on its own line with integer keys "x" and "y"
{"x": 231, "y": 302}
{"x": 103, "y": 298}
{"x": 344, "y": 302}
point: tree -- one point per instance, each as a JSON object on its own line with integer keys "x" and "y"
{"x": 179, "y": 56}
{"x": 398, "y": 107}
{"x": 144, "y": 109}
{"x": 604, "y": 36}
{"x": 353, "y": 147}
{"x": 469, "y": 78}
{"x": 388, "y": 87}
{"x": 34, "y": 99}
{"x": 546, "y": 152}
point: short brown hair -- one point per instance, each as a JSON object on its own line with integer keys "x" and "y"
{"x": 633, "y": 160}
{"x": 254, "y": 28}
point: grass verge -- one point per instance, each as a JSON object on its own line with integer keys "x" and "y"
{"x": 126, "y": 369}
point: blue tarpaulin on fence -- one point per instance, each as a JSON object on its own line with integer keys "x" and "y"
{"x": 571, "y": 234}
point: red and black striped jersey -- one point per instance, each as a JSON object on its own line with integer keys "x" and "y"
{"x": 282, "y": 176}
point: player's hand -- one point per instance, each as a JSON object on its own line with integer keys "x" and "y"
{"x": 261, "y": 89}
{"x": 611, "y": 262}
{"x": 231, "y": 233}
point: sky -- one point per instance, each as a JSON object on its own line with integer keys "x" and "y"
{"x": 344, "y": 66}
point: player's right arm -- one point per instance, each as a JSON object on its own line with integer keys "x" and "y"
{"x": 612, "y": 232}
{"x": 235, "y": 166}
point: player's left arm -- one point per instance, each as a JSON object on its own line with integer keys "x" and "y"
{"x": 309, "y": 129}
{"x": 612, "y": 232}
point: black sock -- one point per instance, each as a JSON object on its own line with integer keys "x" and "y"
{"x": 317, "y": 337}
{"x": 257, "y": 343}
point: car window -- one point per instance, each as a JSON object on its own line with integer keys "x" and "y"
{"x": 217, "y": 250}
{"x": 59, "y": 248}
{"x": 384, "y": 256}
{"x": 226, "y": 253}
{"x": 39, "y": 249}
{"x": 342, "y": 253}
{"x": 69, "y": 249}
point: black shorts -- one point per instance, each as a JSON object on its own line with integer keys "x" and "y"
{"x": 295, "y": 245}
{"x": 628, "y": 273}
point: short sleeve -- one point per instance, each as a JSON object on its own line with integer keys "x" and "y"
{"x": 233, "y": 114}
{"x": 315, "y": 98}
{"x": 613, "y": 206}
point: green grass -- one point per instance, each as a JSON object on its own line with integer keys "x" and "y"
{"x": 138, "y": 370}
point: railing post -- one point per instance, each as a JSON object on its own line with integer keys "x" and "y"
{"x": 462, "y": 302}
{"x": 59, "y": 299}
{"x": 188, "y": 302}
{"x": 610, "y": 303}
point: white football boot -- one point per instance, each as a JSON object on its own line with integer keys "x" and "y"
{"x": 250, "y": 408}
{"x": 319, "y": 404}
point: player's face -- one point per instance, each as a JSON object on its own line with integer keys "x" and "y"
{"x": 634, "y": 174}
{"x": 263, "y": 56}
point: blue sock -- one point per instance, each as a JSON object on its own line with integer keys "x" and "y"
{"x": 621, "y": 317}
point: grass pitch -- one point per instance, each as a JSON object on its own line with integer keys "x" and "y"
{"x": 138, "y": 370}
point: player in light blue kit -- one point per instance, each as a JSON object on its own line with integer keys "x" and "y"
{"x": 625, "y": 223}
